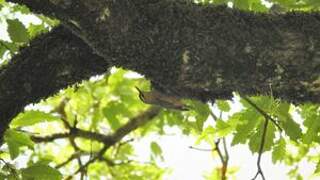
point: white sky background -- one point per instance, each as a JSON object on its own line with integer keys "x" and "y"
{"x": 186, "y": 163}
{"x": 191, "y": 164}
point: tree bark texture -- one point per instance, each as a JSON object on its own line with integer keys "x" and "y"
{"x": 51, "y": 62}
{"x": 203, "y": 52}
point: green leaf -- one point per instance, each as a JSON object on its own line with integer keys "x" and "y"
{"x": 7, "y": 46}
{"x": 259, "y": 7}
{"x": 223, "y": 128}
{"x": 249, "y": 120}
{"x": 17, "y": 31}
{"x": 286, "y": 3}
{"x": 242, "y": 4}
{"x": 263, "y": 102}
{"x": 207, "y": 132}
{"x": 156, "y": 149}
{"x": 311, "y": 120}
{"x": 310, "y": 135}
{"x": 20, "y": 8}
{"x": 317, "y": 170}
{"x": 219, "y": 1}
{"x": 223, "y": 105}
{"x": 14, "y": 149}
{"x": 32, "y": 117}
{"x": 292, "y": 129}
{"x": 255, "y": 140}
{"x": 41, "y": 172}
{"x": 15, "y": 140}
{"x": 202, "y": 111}
{"x": 19, "y": 137}
{"x": 113, "y": 112}
{"x": 35, "y": 30}
{"x": 279, "y": 151}
{"x": 2, "y": 176}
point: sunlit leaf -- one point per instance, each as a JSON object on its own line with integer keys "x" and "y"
{"x": 317, "y": 170}
{"x": 279, "y": 151}
{"x": 249, "y": 120}
{"x": 311, "y": 121}
{"x": 15, "y": 140}
{"x": 223, "y": 105}
{"x": 242, "y": 4}
{"x": 114, "y": 111}
{"x": 156, "y": 149}
{"x": 207, "y": 132}
{"x": 35, "y": 30}
{"x": 223, "y": 128}
{"x": 41, "y": 172}
{"x": 256, "y": 138}
{"x": 7, "y": 46}
{"x": 32, "y": 117}
{"x": 202, "y": 111}
{"x": 292, "y": 129}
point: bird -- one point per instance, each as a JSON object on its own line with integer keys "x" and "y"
{"x": 155, "y": 97}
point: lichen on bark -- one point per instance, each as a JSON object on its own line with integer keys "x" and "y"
{"x": 228, "y": 50}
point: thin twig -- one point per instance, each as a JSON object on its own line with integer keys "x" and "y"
{"x": 72, "y": 157}
{"x": 84, "y": 166}
{"x": 226, "y": 160}
{"x": 114, "y": 138}
{"x": 223, "y": 158}
{"x": 119, "y": 145}
{"x": 219, "y": 151}
{"x": 201, "y": 149}
{"x": 77, "y": 149}
{"x": 263, "y": 138}
{"x": 267, "y": 116}
{"x": 225, "y": 149}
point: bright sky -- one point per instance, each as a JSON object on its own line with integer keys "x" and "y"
{"x": 190, "y": 164}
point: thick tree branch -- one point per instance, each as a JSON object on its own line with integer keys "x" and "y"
{"x": 203, "y": 51}
{"x": 51, "y": 62}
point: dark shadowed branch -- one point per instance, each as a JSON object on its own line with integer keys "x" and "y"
{"x": 51, "y": 62}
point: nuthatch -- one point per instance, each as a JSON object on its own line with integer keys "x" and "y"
{"x": 157, "y": 98}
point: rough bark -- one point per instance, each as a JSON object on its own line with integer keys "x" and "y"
{"x": 51, "y": 62}
{"x": 194, "y": 51}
